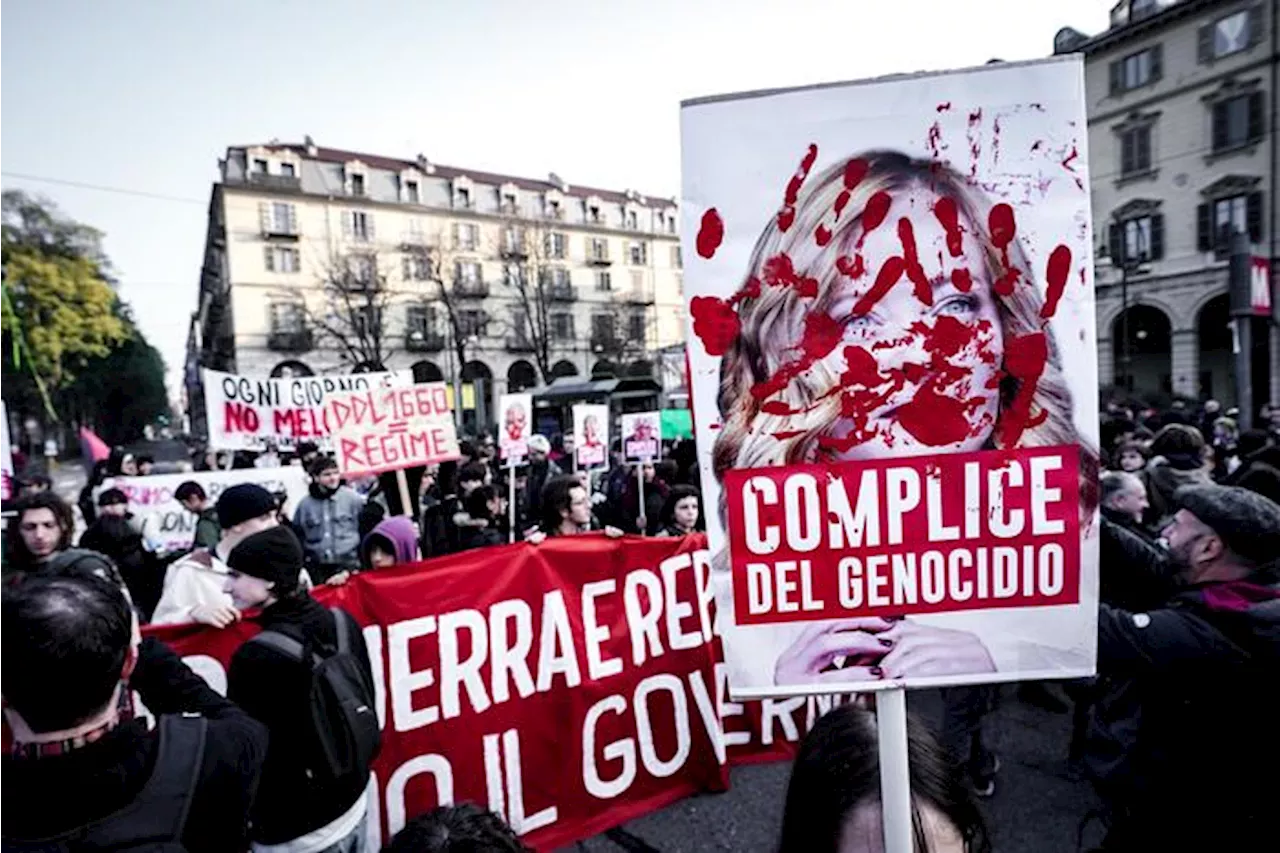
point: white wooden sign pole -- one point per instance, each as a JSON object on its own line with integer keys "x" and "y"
{"x": 511, "y": 499}
{"x": 895, "y": 775}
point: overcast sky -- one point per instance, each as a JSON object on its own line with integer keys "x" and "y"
{"x": 145, "y": 95}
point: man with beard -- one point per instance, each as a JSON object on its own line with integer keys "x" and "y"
{"x": 1192, "y": 764}
{"x": 329, "y": 518}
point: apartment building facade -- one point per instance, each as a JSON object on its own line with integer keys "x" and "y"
{"x": 311, "y": 249}
{"x": 1182, "y": 149}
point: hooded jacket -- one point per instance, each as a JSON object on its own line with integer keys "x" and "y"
{"x": 1199, "y": 673}
{"x": 1163, "y": 478}
{"x": 397, "y": 532}
{"x": 331, "y": 529}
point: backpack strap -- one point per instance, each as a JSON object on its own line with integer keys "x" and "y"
{"x": 343, "y": 629}
{"x": 158, "y": 814}
{"x": 286, "y": 645}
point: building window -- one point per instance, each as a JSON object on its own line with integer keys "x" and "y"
{"x": 557, "y": 246}
{"x": 593, "y": 214}
{"x": 677, "y": 260}
{"x": 411, "y": 192}
{"x": 1135, "y": 151}
{"x": 259, "y": 167}
{"x": 631, "y": 221}
{"x": 561, "y": 327}
{"x": 467, "y": 272}
{"x": 555, "y": 277}
{"x": 639, "y": 253}
{"x": 1218, "y": 219}
{"x": 513, "y": 276}
{"x": 279, "y": 218}
{"x": 1229, "y": 35}
{"x": 462, "y": 198}
{"x": 637, "y": 282}
{"x": 603, "y": 280}
{"x": 602, "y": 326}
{"x": 287, "y": 318}
{"x": 473, "y": 323}
{"x": 1137, "y": 239}
{"x": 417, "y": 267}
{"x": 509, "y": 204}
{"x": 362, "y": 271}
{"x": 281, "y": 259}
{"x": 1237, "y": 121}
{"x": 287, "y": 170}
{"x": 553, "y": 209}
{"x": 357, "y": 184}
{"x": 598, "y": 249}
{"x": 420, "y": 319}
{"x": 637, "y": 328}
{"x": 1136, "y": 70}
{"x": 358, "y": 225}
{"x": 366, "y": 321}
{"x": 466, "y": 236}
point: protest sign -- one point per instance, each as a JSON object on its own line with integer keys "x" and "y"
{"x": 514, "y": 416}
{"x": 245, "y": 413}
{"x": 6, "y": 455}
{"x": 591, "y": 435}
{"x": 892, "y": 355}
{"x": 642, "y": 436}
{"x": 168, "y": 526}
{"x": 390, "y": 429}
{"x": 570, "y": 687}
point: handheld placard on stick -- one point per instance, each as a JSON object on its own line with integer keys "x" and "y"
{"x": 640, "y": 488}
{"x": 895, "y": 775}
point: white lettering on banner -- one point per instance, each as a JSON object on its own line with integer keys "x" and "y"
{"x": 439, "y": 768}
{"x": 556, "y": 654}
{"x": 504, "y": 778}
{"x": 658, "y": 767}
{"x": 595, "y": 633}
{"x": 643, "y": 622}
{"x": 404, "y": 680}
{"x": 456, "y": 672}
{"x": 620, "y": 750}
{"x": 509, "y": 661}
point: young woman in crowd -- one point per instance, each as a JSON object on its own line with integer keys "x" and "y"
{"x": 833, "y": 798}
{"x": 681, "y": 512}
{"x": 393, "y": 542}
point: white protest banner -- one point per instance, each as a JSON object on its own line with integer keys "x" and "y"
{"x": 6, "y": 455}
{"x": 890, "y": 290}
{"x": 515, "y": 414}
{"x": 390, "y": 429}
{"x": 245, "y": 413}
{"x": 642, "y": 436}
{"x": 591, "y": 434}
{"x": 172, "y": 528}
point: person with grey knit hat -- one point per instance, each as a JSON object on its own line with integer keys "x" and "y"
{"x": 1199, "y": 751}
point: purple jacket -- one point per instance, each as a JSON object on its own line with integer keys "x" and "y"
{"x": 397, "y": 535}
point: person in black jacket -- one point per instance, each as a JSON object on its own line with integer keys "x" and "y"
{"x": 482, "y": 505}
{"x": 80, "y": 757}
{"x": 1198, "y": 668}
{"x": 291, "y": 810}
{"x": 116, "y": 535}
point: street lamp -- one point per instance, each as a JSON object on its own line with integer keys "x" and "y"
{"x": 1128, "y": 264}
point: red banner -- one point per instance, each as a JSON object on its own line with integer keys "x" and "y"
{"x": 570, "y": 686}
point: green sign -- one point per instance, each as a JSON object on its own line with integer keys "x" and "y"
{"x": 677, "y": 423}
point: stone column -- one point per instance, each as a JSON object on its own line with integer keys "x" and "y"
{"x": 1106, "y": 362}
{"x": 1185, "y": 362}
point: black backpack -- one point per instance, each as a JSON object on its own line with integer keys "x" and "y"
{"x": 341, "y": 733}
{"x": 157, "y": 817}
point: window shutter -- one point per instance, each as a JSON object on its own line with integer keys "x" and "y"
{"x": 368, "y": 225}
{"x": 1204, "y": 227}
{"x": 1157, "y": 62}
{"x": 1126, "y": 152}
{"x": 1253, "y": 23}
{"x": 1157, "y": 236}
{"x": 1256, "y": 129}
{"x": 348, "y": 223}
{"x": 1220, "y": 122}
{"x": 1144, "y": 149}
{"x": 264, "y": 216}
{"x": 1115, "y": 244}
{"x": 1117, "y": 81}
{"x": 1253, "y": 216}
{"x": 1204, "y": 44}
{"x": 268, "y": 259}
{"x": 293, "y": 219}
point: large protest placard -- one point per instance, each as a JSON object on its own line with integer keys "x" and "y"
{"x": 642, "y": 436}
{"x": 591, "y": 434}
{"x": 245, "y": 413}
{"x": 515, "y": 425}
{"x": 389, "y": 429}
{"x": 168, "y": 526}
{"x": 570, "y": 687}
{"x": 892, "y": 354}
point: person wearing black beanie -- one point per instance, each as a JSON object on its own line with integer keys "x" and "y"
{"x": 276, "y": 689}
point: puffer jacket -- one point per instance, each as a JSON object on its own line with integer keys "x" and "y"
{"x": 331, "y": 531}
{"x": 1199, "y": 750}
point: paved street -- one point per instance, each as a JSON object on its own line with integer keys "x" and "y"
{"x": 1036, "y": 806}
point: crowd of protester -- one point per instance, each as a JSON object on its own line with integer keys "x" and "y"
{"x": 1177, "y": 722}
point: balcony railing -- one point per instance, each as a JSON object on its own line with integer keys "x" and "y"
{"x": 295, "y": 341}
{"x": 638, "y": 296}
{"x": 602, "y": 342}
{"x": 514, "y": 249}
{"x": 275, "y": 182}
{"x": 561, "y": 292}
{"x": 519, "y": 343}
{"x": 599, "y": 258}
{"x": 420, "y": 341}
{"x": 470, "y": 288}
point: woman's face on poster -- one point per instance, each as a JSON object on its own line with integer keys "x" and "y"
{"x": 903, "y": 335}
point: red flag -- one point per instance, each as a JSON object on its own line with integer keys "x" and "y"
{"x": 91, "y": 447}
